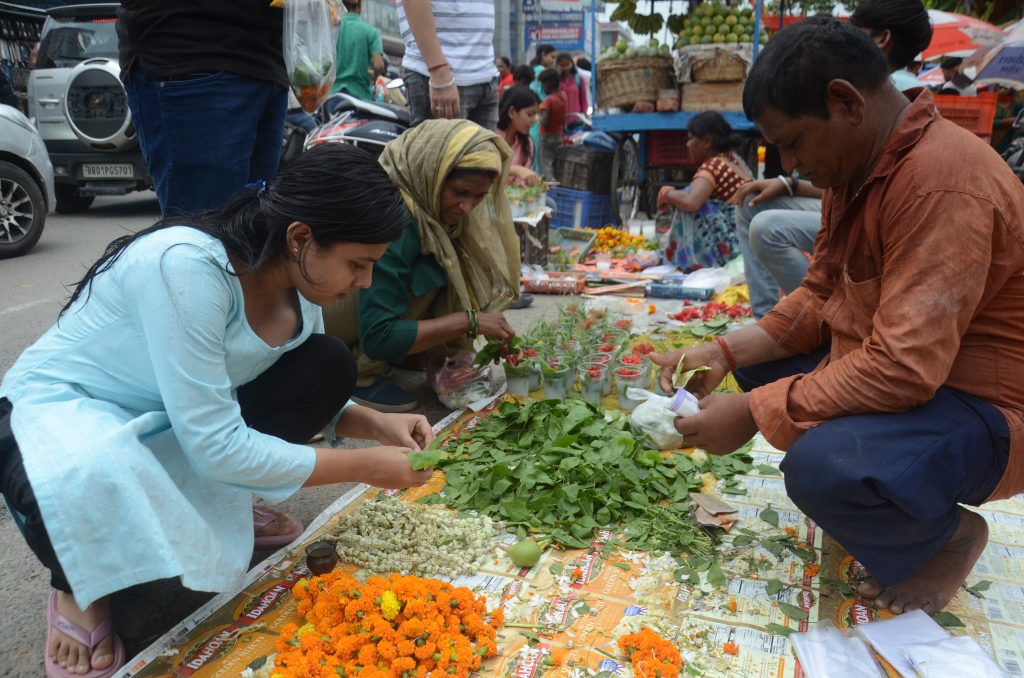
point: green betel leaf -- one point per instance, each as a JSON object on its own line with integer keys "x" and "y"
{"x": 778, "y": 629}
{"x": 792, "y": 611}
{"x": 716, "y": 577}
{"x": 425, "y": 459}
{"x": 768, "y": 470}
{"x": 770, "y": 516}
{"x": 947, "y": 619}
{"x": 773, "y": 586}
{"x": 976, "y": 590}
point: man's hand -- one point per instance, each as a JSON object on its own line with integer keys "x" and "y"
{"x": 403, "y": 430}
{"x": 764, "y": 189}
{"x": 723, "y": 424}
{"x": 494, "y": 326}
{"x": 701, "y": 384}
{"x": 444, "y": 102}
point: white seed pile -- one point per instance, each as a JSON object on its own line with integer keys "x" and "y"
{"x": 388, "y": 535}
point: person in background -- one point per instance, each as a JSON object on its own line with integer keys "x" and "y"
{"x": 892, "y": 378}
{"x": 703, "y": 224}
{"x": 1008, "y": 106}
{"x": 583, "y": 67}
{"x": 505, "y": 77}
{"x": 207, "y": 88}
{"x": 901, "y": 29}
{"x": 552, "y": 121}
{"x": 448, "y": 65}
{"x": 360, "y": 51}
{"x": 544, "y": 58}
{"x": 572, "y": 86}
{"x": 453, "y": 271}
{"x": 523, "y": 75}
{"x": 185, "y": 375}
{"x": 954, "y": 81}
{"x": 517, "y": 112}
{"x": 7, "y": 95}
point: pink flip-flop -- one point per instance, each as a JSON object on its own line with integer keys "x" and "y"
{"x": 261, "y": 517}
{"x": 57, "y": 622}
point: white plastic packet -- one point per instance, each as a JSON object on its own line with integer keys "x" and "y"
{"x": 310, "y": 42}
{"x": 889, "y": 636}
{"x": 654, "y": 419}
{"x": 952, "y": 658}
{"x": 824, "y": 652}
{"x": 715, "y": 278}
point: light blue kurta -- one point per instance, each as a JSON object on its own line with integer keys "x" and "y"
{"x": 133, "y": 440}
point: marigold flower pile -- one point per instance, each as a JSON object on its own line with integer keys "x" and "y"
{"x": 395, "y": 627}
{"x": 651, "y": 655}
{"x": 610, "y": 238}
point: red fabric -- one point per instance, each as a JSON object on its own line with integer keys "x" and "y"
{"x": 723, "y": 176}
{"x": 575, "y": 95}
{"x": 505, "y": 83}
{"x": 555, "y": 105}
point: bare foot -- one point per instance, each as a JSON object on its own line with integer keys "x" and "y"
{"x": 937, "y": 581}
{"x": 278, "y": 524}
{"x": 69, "y": 653}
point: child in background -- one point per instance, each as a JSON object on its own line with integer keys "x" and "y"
{"x": 552, "y": 121}
{"x": 516, "y": 113}
{"x": 571, "y": 84}
{"x": 523, "y": 75}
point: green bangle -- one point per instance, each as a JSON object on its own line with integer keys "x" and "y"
{"x": 474, "y": 326}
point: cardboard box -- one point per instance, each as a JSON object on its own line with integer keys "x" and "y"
{"x": 713, "y": 96}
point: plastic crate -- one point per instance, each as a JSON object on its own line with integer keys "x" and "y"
{"x": 583, "y": 168}
{"x": 974, "y": 114}
{"x": 667, "y": 148}
{"x": 578, "y": 209}
{"x": 574, "y": 242}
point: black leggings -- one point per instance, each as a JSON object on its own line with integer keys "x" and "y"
{"x": 293, "y": 400}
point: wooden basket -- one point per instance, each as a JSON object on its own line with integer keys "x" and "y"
{"x": 624, "y": 82}
{"x": 722, "y": 67}
{"x": 569, "y": 282}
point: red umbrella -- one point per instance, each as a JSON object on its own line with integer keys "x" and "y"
{"x": 959, "y": 35}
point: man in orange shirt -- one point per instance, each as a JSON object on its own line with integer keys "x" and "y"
{"x": 894, "y": 376}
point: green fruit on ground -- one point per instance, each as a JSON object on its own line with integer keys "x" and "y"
{"x": 525, "y": 554}
{"x": 621, "y": 46}
{"x": 718, "y": 38}
{"x": 731, "y": 20}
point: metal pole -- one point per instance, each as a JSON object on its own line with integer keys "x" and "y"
{"x": 594, "y": 39}
{"x": 757, "y": 26}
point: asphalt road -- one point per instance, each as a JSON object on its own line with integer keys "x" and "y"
{"x": 32, "y": 290}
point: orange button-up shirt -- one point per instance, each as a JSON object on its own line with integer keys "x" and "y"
{"x": 918, "y": 279}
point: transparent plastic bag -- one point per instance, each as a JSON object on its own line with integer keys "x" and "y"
{"x": 654, "y": 419}
{"x": 824, "y": 652}
{"x": 310, "y": 49}
{"x": 458, "y": 382}
{"x": 952, "y": 658}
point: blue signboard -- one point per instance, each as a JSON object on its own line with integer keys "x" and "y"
{"x": 565, "y": 36}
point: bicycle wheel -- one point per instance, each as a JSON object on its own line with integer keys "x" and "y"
{"x": 625, "y": 192}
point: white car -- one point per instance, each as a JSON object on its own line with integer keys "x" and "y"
{"x": 26, "y": 183}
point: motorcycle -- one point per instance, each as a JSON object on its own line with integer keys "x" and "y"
{"x": 364, "y": 124}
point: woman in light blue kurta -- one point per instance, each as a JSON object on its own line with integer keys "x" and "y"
{"x": 181, "y": 379}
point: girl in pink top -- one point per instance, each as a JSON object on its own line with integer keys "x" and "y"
{"x": 572, "y": 86}
{"x": 517, "y": 112}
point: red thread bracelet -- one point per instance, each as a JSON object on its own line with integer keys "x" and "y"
{"x": 437, "y": 67}
{"x": 729, "y": 359}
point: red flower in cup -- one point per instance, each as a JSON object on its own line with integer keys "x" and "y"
{"x": 606, "y": 347}
{"x": 530, "y": 353}
{"x": 595, "y": 371}
{"x": 643, "y": 349}
{"x": 632, "y": 359}
{"x": 623, "y": 324}
{"x": 515, "y": 358}
{"x": 627, "y": 372}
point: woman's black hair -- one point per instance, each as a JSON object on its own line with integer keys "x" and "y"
{"x": 907, "y": 22}
{"x": 549, "y": 78}
{"x": 341, "y": 192}
{"x": 522, "y": 74}
{"x": 792, "y": 72}
{"x": 505, "y": 60}
{"x": 711, "y": 125}
{"x": 541, "y": 51}
{"x": 459, "y": 172}
{"x": 584, "y": 63}
{"x": 517, "y": 97}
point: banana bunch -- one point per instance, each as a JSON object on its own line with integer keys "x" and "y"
{"x": 646, "y": 24}
{"x": 675, "y": 23}
{"x": 625, "y": 11}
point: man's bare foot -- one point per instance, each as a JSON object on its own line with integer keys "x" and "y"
{"x": 937, "y": 581}
{"x": 69, "y": 653}
{"x": 271, "y": 523}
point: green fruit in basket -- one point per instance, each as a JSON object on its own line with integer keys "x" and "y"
{"x": 630, "y": 53}
{"x": 705, "y": 39}
{"x": 653, "y": 42}
{"x": 664, "y": 51}
{"x": 731, "y": 20}
{"x": 747, "y": 12}
{"x": 621, "y": 46}
{"x": 723, "y": 29}
{"x": 697, "y": 31}
{"x": 732, "y": 38}
{"x": 718, "y": 38}
{"x": 705, "y": 21}
{"x": 719, "y": 10}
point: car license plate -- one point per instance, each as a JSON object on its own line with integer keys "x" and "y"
{"x": 108, "y": 171}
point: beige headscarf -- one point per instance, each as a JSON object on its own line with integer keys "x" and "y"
{"x": 479, "y": 255}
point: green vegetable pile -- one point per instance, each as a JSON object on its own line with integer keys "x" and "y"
{"x": 564, "y": 470}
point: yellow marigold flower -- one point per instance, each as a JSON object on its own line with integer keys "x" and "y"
{"x": 389, "y": 605}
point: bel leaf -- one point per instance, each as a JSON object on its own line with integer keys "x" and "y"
{"x": 768, "y": 470}
{"x": 773, "y": 586}
{"x": 977, "y": 589}
{"x": 792, "y": 611}
{"x": 948, "y": 619}
{"x": 770, "y": 516}
{"x": 716, "y": 578}
{"x": 425, "y": 459}
{"x": 778, "y": 629}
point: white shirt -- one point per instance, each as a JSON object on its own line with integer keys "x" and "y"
{"x": 465, "y": 30}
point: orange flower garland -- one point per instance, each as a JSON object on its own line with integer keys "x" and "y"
{"x": 651, "y": 655}
{"x": 398, "y": 627}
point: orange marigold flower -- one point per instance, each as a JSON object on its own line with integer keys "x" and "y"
{"x": 732, "y": 605}
{"x": 812, "y": 570}
{"x": 731, "y": 648}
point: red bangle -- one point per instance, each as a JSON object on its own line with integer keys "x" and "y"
{"x": 437, "y": 67}
{"x": 729, "y": 359}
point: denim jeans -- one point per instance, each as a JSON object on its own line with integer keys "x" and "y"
{"x": 205, "y": 138}
{"x": 773, "y": 236}
{"x": 886, "y": 485}
{"x": 478, "y": 103}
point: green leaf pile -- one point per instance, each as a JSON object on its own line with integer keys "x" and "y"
{"x": 564, "y": 470}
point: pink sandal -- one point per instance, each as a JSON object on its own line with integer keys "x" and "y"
{"x": 57, "y": 622}
{"x": 261, "y": 517}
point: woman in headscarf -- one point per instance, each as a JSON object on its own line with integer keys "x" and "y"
{"x": 453, "y": 271}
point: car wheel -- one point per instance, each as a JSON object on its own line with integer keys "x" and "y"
{"x": 22, "y": 211}
{"x": 69, "y": 202}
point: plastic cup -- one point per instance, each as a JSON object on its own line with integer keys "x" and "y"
{"x": 625, "y": 378}
{"x": 593, "y": 380}
{"x": 556, "y": 380}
